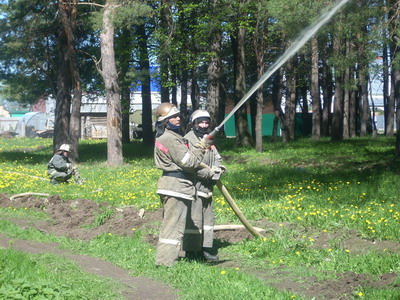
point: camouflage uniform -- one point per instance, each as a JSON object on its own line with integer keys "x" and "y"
{"x": 176, "y": 190}
{"x": 59, "y": 169}
{"x": 202, "y": 209}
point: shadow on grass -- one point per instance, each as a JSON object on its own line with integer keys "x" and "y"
{"x": 230, "y": 144}
{"x": 96, "y": 152}
{"x": 32, "y": 158}
{"x": 272, "y": 182}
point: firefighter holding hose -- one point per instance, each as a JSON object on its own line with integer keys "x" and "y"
{"x": 202, "y": 210}
{"x": 179, "y": 163}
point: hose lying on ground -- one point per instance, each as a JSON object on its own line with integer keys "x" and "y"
{"x": 28, "y": 194}
{"x": 237, "y": 211}
{"x": 234, "y": 227}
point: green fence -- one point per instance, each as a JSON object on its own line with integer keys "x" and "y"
{"x": 303, "y": 127}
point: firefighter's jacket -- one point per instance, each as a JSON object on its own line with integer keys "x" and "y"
{"x": 204, "y": 184}
{"x": 179, "y": 164}
{"x": 58, "y": 163}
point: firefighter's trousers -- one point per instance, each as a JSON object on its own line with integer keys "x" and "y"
{"x": 208, "y": 222}
{"x": 200, "y": 232}
{"x": 59, "y": 177}
{"x": 172, "y": 229}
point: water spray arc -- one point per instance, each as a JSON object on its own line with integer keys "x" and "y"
{"x": 299, "y": 42}
{"x": 303, "y": 38}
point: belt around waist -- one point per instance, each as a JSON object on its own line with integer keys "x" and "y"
{"x": 179, "y": 174}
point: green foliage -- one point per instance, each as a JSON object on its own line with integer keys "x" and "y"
{"x": 102, "y": 217}
{"x": 27, "y": 276}
{"x": 27, "y": 31}
{"x": 127, "y": 13}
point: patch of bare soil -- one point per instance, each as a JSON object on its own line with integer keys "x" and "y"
{"x": 73, "y": 219}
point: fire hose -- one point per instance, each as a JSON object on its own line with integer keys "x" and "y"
{"x": 236, "y": 210}
{"x": 234, "y": 207}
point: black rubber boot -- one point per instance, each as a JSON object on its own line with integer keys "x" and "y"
{"x": 193, "y": 255}
{"x": 208, "y": 256}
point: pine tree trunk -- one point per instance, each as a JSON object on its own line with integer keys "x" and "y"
{"x": 364, "y": 107}
{"x": 315, "y": 94}
{"x": 214, "y": 72}
{"x": 148, "y": 137}
{"x": 194, "y": 90}
{"x": 327, "y": 92}
{"x": 184, "y": 92}
{"x": 174, "y": 89}
{"x": 123, "y": 44}
{"x": 390, "y": 108}
{"x": 163, "y": 58}
{"x": 353, "y": 110}
{"x": 304, "y": 108}
{"x": 396, "y": 81}
{"x": 393, "y": 5}
{"x": 110, "y": 76}
{"x": 243, "y": 137}
{"x": 261, "y": 29}
{"x": 346, "y": 107}
{"x": 385, "y": 84}
{"x": 290, "y": 105}
{"x": 75, "y": 120}
{"x": 125, "y": 109}
{"x": 277, "y": 102}
{"x": 398, "y": 121}
{"x": 337, "y": 118}
{"x": 64, "y": 81}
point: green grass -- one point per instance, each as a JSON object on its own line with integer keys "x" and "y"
{"x": 319, "y": 186}
{"x": 34, "y": 276}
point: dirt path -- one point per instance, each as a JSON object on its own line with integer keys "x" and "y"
{"x": 135, "y": 287}
{"x": 69, "y": 217}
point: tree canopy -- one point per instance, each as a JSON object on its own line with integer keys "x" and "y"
{"x": 210, "y": 51}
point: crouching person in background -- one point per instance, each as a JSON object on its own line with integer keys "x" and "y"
{"x": 59, "y": 167}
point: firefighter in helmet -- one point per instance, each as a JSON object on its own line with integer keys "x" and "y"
{"x": 59, "y": 168}
{"x": 202, "y": 209}
{"x": 176, "y": 185}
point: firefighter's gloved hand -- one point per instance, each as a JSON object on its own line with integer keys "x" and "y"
{"x": 216, "y": 173}
{"x": 206, "y": 142}
{"x": 223, "y": 168}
